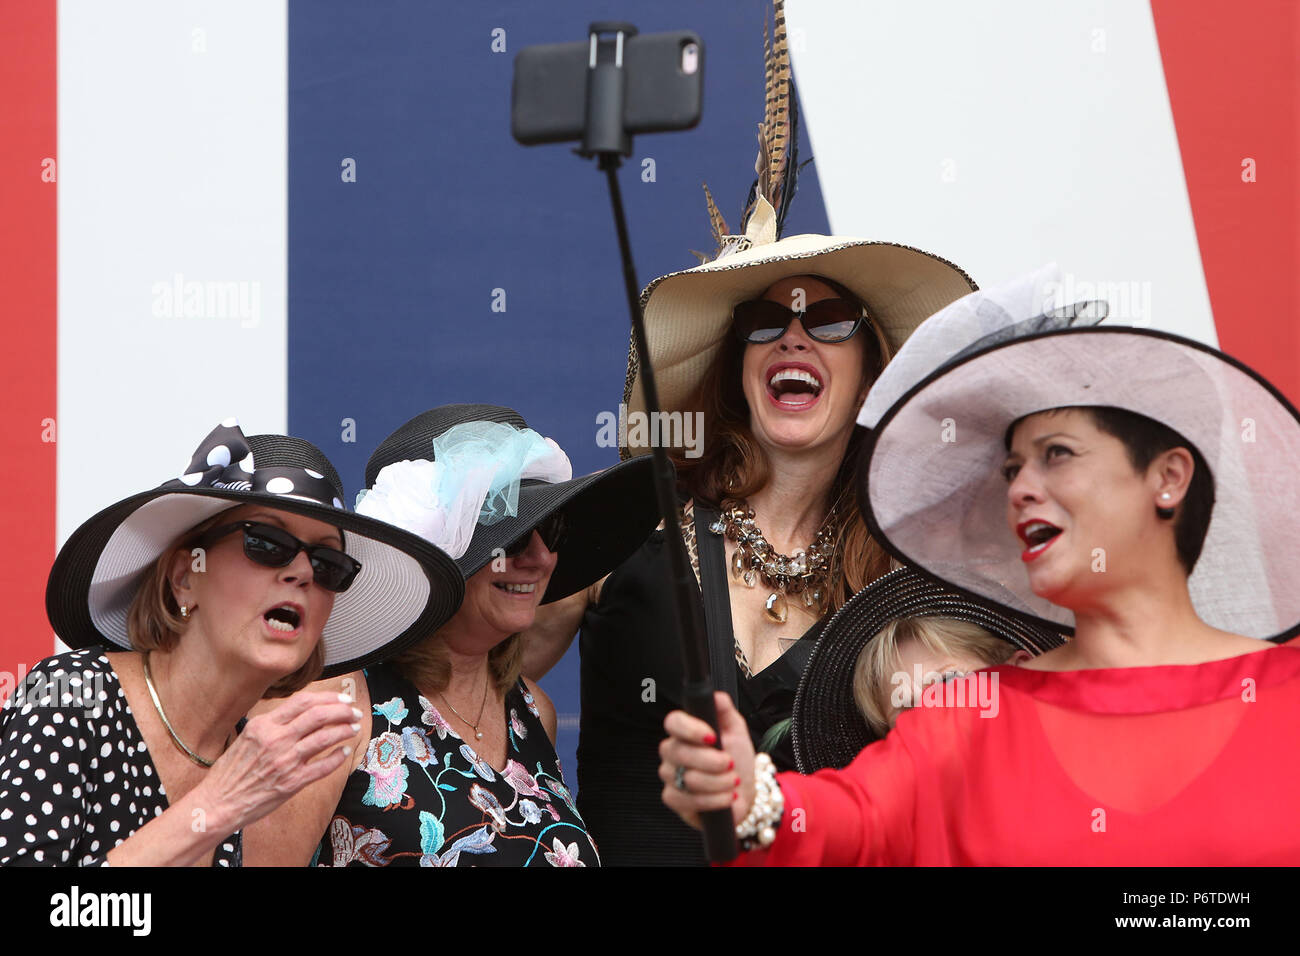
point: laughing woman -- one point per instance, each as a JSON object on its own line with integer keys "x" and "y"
{"x": 1111, "y": 479}
{"x": 242, "y": 579}
{"x": 773, "y": 345}
{"x": 455, "y": 760}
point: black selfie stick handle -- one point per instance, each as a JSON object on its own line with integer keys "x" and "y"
{"x": 719, "y": 827}
{"x": 607, "y": 141}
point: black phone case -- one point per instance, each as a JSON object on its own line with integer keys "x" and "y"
{"x": 548, "y": 100}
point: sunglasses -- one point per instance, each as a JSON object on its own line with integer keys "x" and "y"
{"x": 759, "y": 321}
{"x": 552, "y": 530}
{"x": 273, "y": 547}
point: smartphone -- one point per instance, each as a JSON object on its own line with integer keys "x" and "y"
{"x": 664, "y": 86}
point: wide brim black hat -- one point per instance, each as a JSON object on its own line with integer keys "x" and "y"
{"x": 827, "y": 729}
{"x": 607, "y": 514}
{"x": 406, "y": 588}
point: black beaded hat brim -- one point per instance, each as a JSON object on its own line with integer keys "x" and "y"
{"x": 827, "y": 729}
{"x": 406, "y": 590}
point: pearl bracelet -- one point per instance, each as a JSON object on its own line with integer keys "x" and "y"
{"x": 759, "y": 826}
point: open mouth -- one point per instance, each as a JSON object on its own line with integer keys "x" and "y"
{"x": 284, "y": 618}
{"x": 516, "y": 588}
{"x": 1038, "y": 535}
{"x": 794, "y": 387}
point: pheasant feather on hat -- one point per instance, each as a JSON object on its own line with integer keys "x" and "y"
{"x": 688, "y": 313}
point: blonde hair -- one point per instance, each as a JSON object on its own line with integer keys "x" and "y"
{"x": 880, "y": 660}
{"x": 428, "y": 666}
{"x": 154, "y": 622}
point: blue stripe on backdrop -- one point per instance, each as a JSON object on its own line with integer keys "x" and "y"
{"x": 391, "y": 277}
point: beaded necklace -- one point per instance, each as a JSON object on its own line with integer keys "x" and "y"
{"x": 802, "y": 573}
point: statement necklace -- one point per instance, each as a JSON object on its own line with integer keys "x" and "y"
{"x": 802, "y": 573}
{"x": 157, "y": 705}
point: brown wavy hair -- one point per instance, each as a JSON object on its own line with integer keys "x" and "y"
{"x": 733, "y": 465}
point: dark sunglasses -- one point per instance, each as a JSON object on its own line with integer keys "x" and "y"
{"x": 551, "y": 529}
{"x": 273, "y": 547}
{"x": 759, "y": 321}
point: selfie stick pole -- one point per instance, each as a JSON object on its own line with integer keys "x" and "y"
{"x": 607, "y": 140}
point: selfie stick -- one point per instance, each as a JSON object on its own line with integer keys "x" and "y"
{"x": 606, "y": 139}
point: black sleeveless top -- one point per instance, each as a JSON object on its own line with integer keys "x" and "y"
{"x": 422, "y": 796}
{"x": 631, "y": 678}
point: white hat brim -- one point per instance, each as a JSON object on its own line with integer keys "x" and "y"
{"x": 936, "y": 497}
{"x": 406, "y": 589}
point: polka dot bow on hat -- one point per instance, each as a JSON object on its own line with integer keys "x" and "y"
{"x": 225, "y": 460}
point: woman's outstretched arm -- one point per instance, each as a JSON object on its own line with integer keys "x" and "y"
{"x": 861, "y": 815}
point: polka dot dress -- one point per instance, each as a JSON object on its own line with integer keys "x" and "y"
{"x": 75, "y": 776}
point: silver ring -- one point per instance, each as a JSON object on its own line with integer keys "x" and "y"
{"x": 679, "y": 778}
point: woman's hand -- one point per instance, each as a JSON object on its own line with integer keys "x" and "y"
{"x": 277, "y": 755}
{"x": 280, "y": 752}
{"x": 714, "y": 779}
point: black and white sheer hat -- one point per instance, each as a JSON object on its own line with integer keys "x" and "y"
{"x": 474, "y": 478}
{"x": 405, "y": 590}
{"x": 931, "y": 479}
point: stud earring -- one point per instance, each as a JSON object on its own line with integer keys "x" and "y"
{"x": 1165, "y": 496}
{"x": 185, "y": 611}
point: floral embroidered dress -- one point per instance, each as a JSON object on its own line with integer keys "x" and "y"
{"x": 422, "y": 796}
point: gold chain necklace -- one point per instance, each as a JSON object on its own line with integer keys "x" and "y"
{"x": 802, "y": 573}
{"x": 478, "y": 734}
{"x": 157, "y": 705}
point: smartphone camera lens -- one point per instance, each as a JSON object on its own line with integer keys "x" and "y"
{"x": 690, "y": 58}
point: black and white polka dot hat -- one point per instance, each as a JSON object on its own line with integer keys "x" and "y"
{"x": 406, "y": 589}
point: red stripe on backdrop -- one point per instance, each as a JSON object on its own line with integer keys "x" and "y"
{"x": 1231, "y": 70}
{"x": 28, "y": 384}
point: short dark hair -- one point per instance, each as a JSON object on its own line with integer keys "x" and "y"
{"x": 1144, "y": 439}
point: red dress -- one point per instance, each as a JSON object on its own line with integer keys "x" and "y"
{"x": 1163, "y": 766}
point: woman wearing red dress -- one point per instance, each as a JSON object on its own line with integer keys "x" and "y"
{"x": 1109, "y": 479}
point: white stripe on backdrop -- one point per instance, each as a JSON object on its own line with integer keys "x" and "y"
{"x": 172, "y": 237}
{"x": 1003, "y": 136}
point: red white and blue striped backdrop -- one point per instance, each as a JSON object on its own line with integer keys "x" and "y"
{"x": 312, "y": 216}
